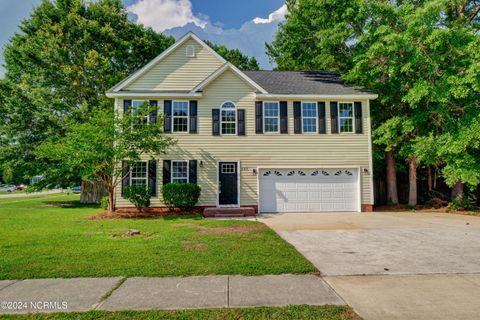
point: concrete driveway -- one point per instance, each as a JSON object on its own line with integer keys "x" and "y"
{"x": 393, "y": 265}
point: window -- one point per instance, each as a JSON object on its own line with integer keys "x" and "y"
{"x": 138, "y": 110}
{"x": 345, "y": 117}
{"x": 309, "y": 117}
{"x": 190, "y": 51}
{"x": 271, "y": 116}
{"x": 139, "y": 174}
{"x": 228, "y": 168}
{"x": 180, "y": 113}
{"x": 229, "y": 118}
{"x": 180, "y": 171}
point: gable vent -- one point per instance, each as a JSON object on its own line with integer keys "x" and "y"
{"x": 190, "y": 51}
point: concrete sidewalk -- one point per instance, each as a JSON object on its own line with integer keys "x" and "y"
{"x": 83, "y": 294}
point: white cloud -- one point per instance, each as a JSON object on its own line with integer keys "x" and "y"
{"x": 166, "y": 14}
{"x": 275, "y": 16}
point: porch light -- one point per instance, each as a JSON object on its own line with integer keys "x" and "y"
{"x": 201, "y": 164}
{"x": 255, "y": 171}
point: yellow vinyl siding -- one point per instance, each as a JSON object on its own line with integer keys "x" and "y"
{"x": 260, "y": 150}
{"x": 177, "y": 71}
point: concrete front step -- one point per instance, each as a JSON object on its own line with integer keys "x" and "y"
{"x": 229, "y": 212}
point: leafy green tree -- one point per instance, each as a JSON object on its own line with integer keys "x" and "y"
{"x": 58, "y": 67}
{"x": 96, "y": 148}
{"x": 421, "y": 57}
{"x": 236, "y": 57}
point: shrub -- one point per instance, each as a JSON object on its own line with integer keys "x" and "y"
{"x": 104, "y": 203}
{"x": 181, "y": 195}
{"x": 138, "y": 195}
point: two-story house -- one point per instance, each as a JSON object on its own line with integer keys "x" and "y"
{"x": 278, "y": 141}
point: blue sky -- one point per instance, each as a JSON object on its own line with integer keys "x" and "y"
{"x": 244, "y": 24}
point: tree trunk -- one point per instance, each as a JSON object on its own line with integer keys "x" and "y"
{"x": 93, "y": 191}
{"x": 430, "y": 178}
{"x": 457, "y": 191}
{"x": 412, "y": 181}
{"x": 392, "y": 193}
{"x": 111, "y": 199}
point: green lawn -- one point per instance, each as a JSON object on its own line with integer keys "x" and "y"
{"x": 48, "y": 236}
{"x": 260, "y": 313}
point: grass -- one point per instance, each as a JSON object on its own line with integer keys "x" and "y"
{"x": 48, "y": 236}
{"x": 259, "y": 313}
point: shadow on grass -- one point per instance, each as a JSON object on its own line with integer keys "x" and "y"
{"x": 190, "y": 216}
{"x": 73, "y": 204}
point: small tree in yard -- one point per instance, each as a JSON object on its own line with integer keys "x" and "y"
{"x": 97, "y": 147}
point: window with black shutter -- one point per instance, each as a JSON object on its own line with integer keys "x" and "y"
{"x": 334, "y": 116}
{"x": 258, "y": 117}
{"x": 241, "y": 122}
{"x": 152, "y": 177}
{"x": 283, "y": 117}
{"x": 358, "y": 117}
{"x": 167, "y": 116}
{"x": 216, "y": 122}
{"x": 193, "y": 116}
{"x": 167, "y": 171}
{"x": 322, "y": 121}
{"x": 152, "y": 116}
{"x": 297, "y": 117}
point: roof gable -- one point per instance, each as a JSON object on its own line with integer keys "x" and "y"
{"x": 173, "y": 70}
{"x": 220, "y": 71}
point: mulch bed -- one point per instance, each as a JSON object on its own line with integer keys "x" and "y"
{"x": 133, "y": 213}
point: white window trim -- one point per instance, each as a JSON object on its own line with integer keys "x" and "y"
{"x": 193, "y": 52}
{"x": 188, "y": 170}
{"x": 181, "y": 117}
{"x": 353, "y": 117}
{"x": 316, "y": 117}
{"x": 236, "y": 119}
{"x": 146, "y": 176}
{"x": 270, "y": 117}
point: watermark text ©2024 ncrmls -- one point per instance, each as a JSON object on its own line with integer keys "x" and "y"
{"x": 33, "y": 305}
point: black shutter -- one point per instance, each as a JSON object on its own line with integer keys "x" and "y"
{"x": 334, "y": 116}
{"x": 152, "y": 177}
{"x": 166, "y": 171}
{"x": 167, "y": 114}
{"x": 283, "y": 117}
{"x": 322, "y": 122}
{"x": 126, "y": 106}
{"x": 193, "y": 116}
{"x": 258, "y": 117}
{"x": 125, "y": 175}
{"x": 297, "y": 117}
{"x": 192, "y": 171}
{"x": 241, "y": 122}
{"x": 216, "y": 122}
{"x": 152, "y": 116}
{"x": 358, "y": 117}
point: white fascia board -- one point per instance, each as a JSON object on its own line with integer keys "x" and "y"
{"x": 318, "y": 96}
{"x": 152, "y": 94}
{"x": 222, "y": 69}
{"x": 162, "y": 55}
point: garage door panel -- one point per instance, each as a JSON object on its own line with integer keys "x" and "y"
{"x": 294, "y": 190}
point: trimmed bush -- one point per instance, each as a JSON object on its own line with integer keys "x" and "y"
{"x": 181, "y": 195}
{"x": 138, "y": 195}
{"x": 104, "y": 203}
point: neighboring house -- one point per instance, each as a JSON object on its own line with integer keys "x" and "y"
{"x": 282, "y": 141}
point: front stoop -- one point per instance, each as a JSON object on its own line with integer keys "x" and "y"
{"x": 229, "y": 212}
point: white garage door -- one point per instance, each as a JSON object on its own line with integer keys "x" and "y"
{"x": 304, "y": 190}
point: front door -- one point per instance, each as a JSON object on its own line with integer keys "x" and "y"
{"x": 228, "y": 183}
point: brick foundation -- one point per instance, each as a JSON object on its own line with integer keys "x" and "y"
{"x": 367, "y": 207}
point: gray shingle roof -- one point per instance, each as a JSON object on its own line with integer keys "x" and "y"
{"x": 304, "y": 82}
